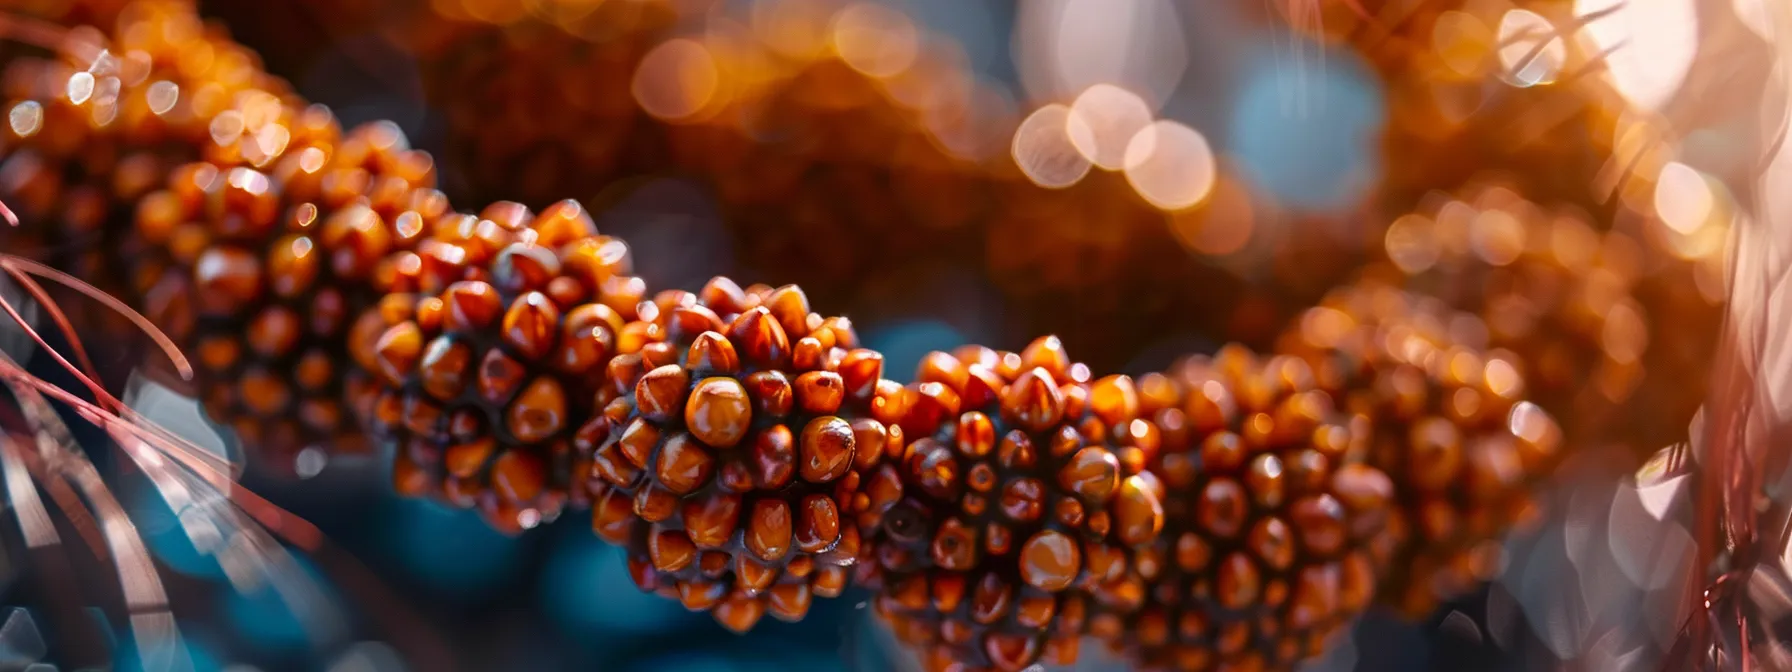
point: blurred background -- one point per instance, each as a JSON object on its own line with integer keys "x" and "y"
{"x": 1270, "y": 179}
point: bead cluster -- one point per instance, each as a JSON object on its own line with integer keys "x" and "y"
{"x": 1235, "y": 511}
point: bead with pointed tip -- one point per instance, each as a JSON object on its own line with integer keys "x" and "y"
{"x": 539, "y": 411}
{"x": 1050, "y": 561}
{"x": 227, "y": 279}
{"x": 768, "y": 531}
{"x": 1034, "y": 401}
{"x": 660, "y": 395}
{"x": 1138, "y": 511}
{"x": 763, "y": 343}
{"x": 739, "y": 612}
{"x": 530, "y": 324}
{"x": 711, "y": 520}
{"x": 518, "y": 476}
{"x": 398, "y": 350}
{"x": 711, "y": 353}
{"x": 1091, "y": 473}
{"x": 718, "y": 412}
{"x": 587, "y": 338}
{"x": 472, "y": 306}
{"x": 499, "y": 377}
{"x": 827, "y": 450}
{"x": 683, "y": 465}
{"x": 671, "y": 550}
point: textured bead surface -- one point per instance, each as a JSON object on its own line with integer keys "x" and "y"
{"x": 1274, "y": 526}
{"x": 482, "y": 384}
{"x": 267, "y": 270}
{"x": 1551, "y": 289}
{"x": 1450, "y": 426}
{"x": 1012, "y": 508}
{"x": 730, "y": 448}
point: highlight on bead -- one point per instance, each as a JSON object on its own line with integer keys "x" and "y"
{"x": 728, "y": 451}
{"x": 1012, "y": 510}
{"x": 1450, "y": 428}
{"x": 1516, "y": 290}
{"x": 1275, "y": 521}
{"x": 496, "y": 334}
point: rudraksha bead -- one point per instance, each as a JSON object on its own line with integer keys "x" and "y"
{"x": 482, "y": 385}
{"x": 264, "y": 273}
{"x": 1451, "y": 428}
{"x": 1011, "y": 509}
{"x": 1273, "y": 522}
{"x": 729, "y": 451}
{"x": 1550, "y": 289}
{"x": 92, "y": 131}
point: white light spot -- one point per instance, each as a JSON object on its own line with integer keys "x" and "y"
{"x": 1043, "y": 150}
{"x": 1103, "y": 121}
{"x": 1170, "y": 165}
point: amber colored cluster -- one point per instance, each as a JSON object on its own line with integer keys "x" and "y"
{"x": 1548, "y": 286}
{"x": 1275, "y": 525}
{"x": 729, "y": 451}
{"x": 843, "y": 145}
{"x": 482, "y": 382}
{"x": 560, "y": 92}
{"x": 746, "y": 453}
{"x": 1565, "y": 277}
{"x": 98, "y": 124}
{"x": 1449, "y": 425}
{"x": 1012, "y": 508}
{"x": 262, "y": 273}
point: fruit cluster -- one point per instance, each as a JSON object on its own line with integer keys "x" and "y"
{"x": 749, "y": 455}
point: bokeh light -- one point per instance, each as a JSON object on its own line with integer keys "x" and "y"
{"x": 1043, "y": 150}
{"x": 1103, "y": 121}
{"x": 1683, "y": 198}
{"x": 676, "y": 80}
{"x": 1063, "y": 47}
{"x": 1222, "y": 225}
{"x": 26, "y": 118}
{"x": 1531, "y": 49}
{"x": 1411, "y": 244}
{"x": 875, "y": 40}
{"x": 1648, "y": 46}
{"x": 1754, "y": 14}
{"x": 1170, "y": 165}
{"x": 1462, "y": 42}
{"x": 1314, "y": 153}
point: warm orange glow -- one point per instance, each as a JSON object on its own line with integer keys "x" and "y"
{"x": 1103, "y": 121}
{"x": 1497, "y": 237}
{"x": 1531, "y": 49}
{"x": 1411, "y": 245}
{"x": 1222, "y": 225}
{"x": 875, "y": 40}
{"x": 1043, "y": 150}
{"x": 794, "y": 28}
{"x": 675, "y": 80}
{"x": 1651, "y": 45}
{"x": 1462, "y": 41}
{"x": 1170, "y": 165}
{"x": 162, "y": 96}
{"x": 1683, "y": 198}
